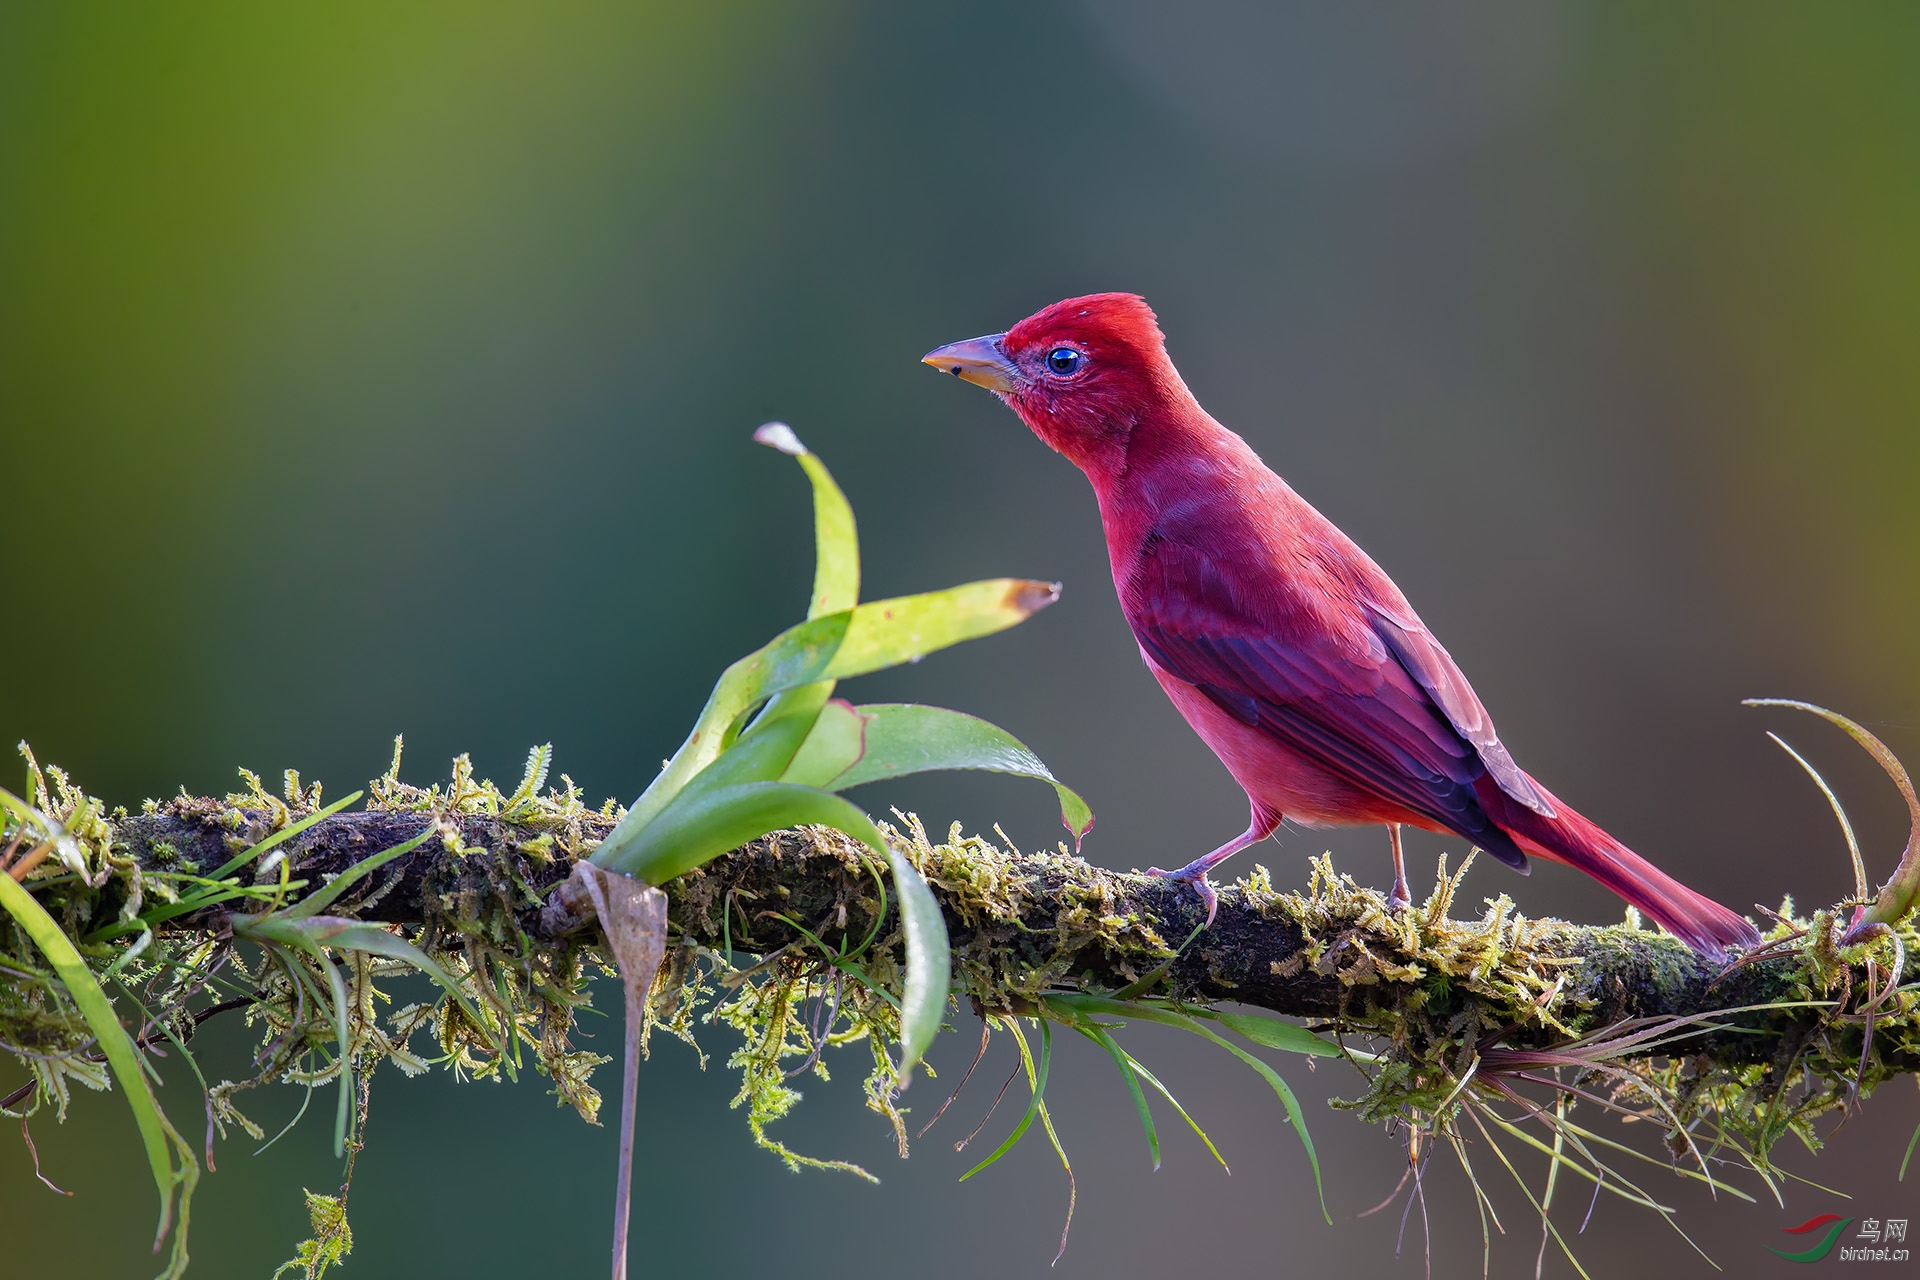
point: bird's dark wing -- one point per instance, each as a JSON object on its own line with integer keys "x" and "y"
{"x": 1434, "y": 668}
{"x": 1356, "y": 712}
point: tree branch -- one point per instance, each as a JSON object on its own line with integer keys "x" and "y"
{"x": 1024, "y": 924}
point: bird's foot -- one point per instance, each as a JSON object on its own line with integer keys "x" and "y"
{"x": 1195, "y": 874}
{"x": 1398, "y": 899}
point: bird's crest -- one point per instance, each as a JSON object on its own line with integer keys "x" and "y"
{"x": 1098, "y": 320}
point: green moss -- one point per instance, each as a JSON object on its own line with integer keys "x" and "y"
{"x": 1430, "y": 989}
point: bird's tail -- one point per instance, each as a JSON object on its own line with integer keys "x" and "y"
{"x": 1570, "y": 838}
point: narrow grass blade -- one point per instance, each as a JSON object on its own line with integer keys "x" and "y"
{"x": 1846, "y": 827}
{"x": 215, "y": 893}
{"x": 1038, "y": 1081}
{"x": 1104, "y": 1038}
{"x": 1153, "y": 1080}
{"x": 297, "y": 936}
{"x": 903, "y": 738}
{"x": 359, "y": 935}
{"x": 122, "y": 1056}
{"x": 1898, "y": 895}
{"x": 285, "y": 833}
{"x": 1073, "y": 1189}
{"x": 1295, "y": 1116}
{"x": 1528, "y": 1193}
{"x": 315, "y": 903}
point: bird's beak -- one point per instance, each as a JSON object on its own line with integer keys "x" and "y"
{"x": 980, "y": 361}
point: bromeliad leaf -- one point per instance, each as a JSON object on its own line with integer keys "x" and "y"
{"x": 851, "y": 642}
{"x": 907, "y": 738}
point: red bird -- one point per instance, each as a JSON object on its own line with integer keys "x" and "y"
{"x": 1286, "y": 648}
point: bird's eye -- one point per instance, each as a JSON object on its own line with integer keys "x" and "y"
{"x": 1064, "y": 360}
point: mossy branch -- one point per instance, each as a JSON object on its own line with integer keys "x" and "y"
{"x": 1023, "y": 924}
{"x": 1448, "y": 1012}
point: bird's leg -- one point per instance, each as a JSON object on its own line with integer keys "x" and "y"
{"x": 1398, "y": 899}
{"x": 1265, "y": 823}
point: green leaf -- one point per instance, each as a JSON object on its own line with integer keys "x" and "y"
{"x": 1039, "y": 1083}
{"x": 705, "y": 821}
{"x": 929, "y": 964}
{"x": 764, "y": 751}
{"x": 833, "y": 746}
{"x": 122, "y": 1056}
{"x": 285, "y": 833}
{"x": 852, "y": 642}
{"x": 836, "y": 565}
{"x": 1104, "y": 1038}
{"x": 836, "y": 558}
{"x": 1275, "y": 1034}
{"x": 356, "y": 935}
{"x": 1167, "y": 1017}
{"x": 904, "y": 737}
{"x": 216, "y": 893}
{"x": 1294, "y": 1115}
{"x": 314, "y": 904}
{"x": 1135, "y": 1064}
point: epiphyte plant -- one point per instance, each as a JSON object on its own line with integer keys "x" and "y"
{"x": 773, "y": 748}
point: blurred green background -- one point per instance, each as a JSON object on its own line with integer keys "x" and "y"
{"x": 369, "y": 369}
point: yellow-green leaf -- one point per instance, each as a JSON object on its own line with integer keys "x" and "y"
{"x": 851, "y": 642}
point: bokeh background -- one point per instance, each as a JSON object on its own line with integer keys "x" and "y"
{"x": 374, "y": 369}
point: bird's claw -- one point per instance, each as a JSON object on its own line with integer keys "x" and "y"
{"x": 1201, "y": 885}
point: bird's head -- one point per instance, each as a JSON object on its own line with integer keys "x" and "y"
{"x": 1081, "y": 373}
